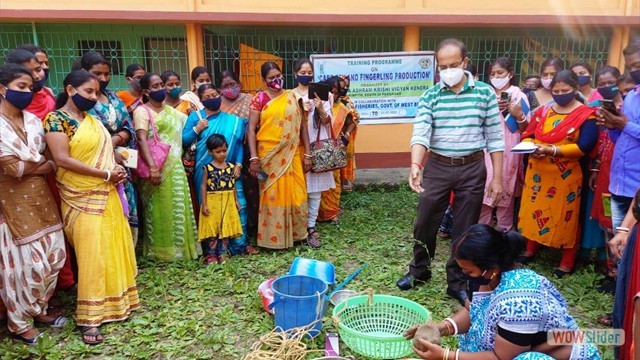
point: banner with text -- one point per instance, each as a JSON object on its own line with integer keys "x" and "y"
{"x": 385, "y": 87}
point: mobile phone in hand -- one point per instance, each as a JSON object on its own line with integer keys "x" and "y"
{"x": 505, "y": 96}
{"x": 609, "y": 106}
{"x": 262, "y": 176}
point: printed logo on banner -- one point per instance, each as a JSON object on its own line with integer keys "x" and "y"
{"x": 384, "y": 87}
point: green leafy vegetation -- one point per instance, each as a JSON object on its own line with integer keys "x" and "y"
{"x": 192, "y": 311}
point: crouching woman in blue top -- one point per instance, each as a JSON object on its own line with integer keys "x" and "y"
{"x": 511, "y": 309}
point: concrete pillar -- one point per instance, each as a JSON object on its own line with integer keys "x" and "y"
{"x": 619, "y": 40}
{"x": 195, "y": 46}
{"x": 411, "y": 38}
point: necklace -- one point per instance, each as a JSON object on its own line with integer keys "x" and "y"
{"x": 157, "y": 109}
{"x": 75, "y": 114}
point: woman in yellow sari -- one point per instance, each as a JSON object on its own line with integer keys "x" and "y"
{"x": 280, "y": 155}
{"x": 92, "y": 209}
{"x": 343, "y": 126}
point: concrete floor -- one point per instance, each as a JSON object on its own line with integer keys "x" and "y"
{"x": 382, "y": 176}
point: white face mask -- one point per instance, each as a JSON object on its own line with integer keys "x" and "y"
{"x": 500, "y": 83}
{"x": 546, "y": 83}
{"x": 451, "y": 76}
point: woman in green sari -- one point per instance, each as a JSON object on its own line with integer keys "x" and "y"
{"x": 170, "y": 231}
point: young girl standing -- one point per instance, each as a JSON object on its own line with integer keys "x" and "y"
{"x": 219, "y": 217}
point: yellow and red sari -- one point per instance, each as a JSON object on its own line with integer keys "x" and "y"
{"x": 549, "y": 213}
{"x": 96, "y": 227}
{"x": 348, "y": 173}
{"x": 282, "y": 216}
{"x": 330, "y": 202}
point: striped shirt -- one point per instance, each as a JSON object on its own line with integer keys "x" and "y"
{"x": 456, "y": 125}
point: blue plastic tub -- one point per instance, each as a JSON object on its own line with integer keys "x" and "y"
{"x": 322, "y": 270}
{"x": 299, "y": 300}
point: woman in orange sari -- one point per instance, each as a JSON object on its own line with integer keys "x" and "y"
{"x": 133, "y": 96}
{"x": 343, "y": 126}
{"x": 171, "y": 81}
{"x": 92, "y": 210}
{"x": 348, "y": 173}
{"x": 280, "y": 156}
{"x": 563, "y": 131}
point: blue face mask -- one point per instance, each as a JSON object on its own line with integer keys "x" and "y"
{"x": 38, "y": 85}
{"x": 19, "y": 99}
{"x": 480, "y": 280}
{"x": 527, "y": 90}
{"x": 175, "y": 92}
{"x": 608, "y": 92}
{"x": 564, "y": 99}
{"x": 635, "y": 75}
{"x": 158, "y": 95}
{"x": 82, "y": 103}
{"x": 344, "y": 92}
{"x": 584, "y": 80}
{"x": 304, "y": 79}
{"x": 213, "y": 104}
{"x": 46, "y": 74}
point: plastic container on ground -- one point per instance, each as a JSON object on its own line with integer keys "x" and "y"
{"x": 299, "y": 300}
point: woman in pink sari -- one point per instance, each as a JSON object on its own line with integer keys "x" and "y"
{"x": 514, "y": 116}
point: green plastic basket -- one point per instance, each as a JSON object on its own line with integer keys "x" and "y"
{"x": 375, "y": 329}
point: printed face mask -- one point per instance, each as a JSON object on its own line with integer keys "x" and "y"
{"x": 608, "y": 92}
{"x": 232, "y": 92}
{"x": 275, "y": 84}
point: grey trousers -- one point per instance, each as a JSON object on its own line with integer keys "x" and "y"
{"x": 468, "y": 184}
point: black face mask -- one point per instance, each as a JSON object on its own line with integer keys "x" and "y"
{"x": 103, "y": 85}
{"x": 480, "y": 280}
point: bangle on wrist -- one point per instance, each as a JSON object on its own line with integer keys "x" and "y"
{"x": 622, "y": 229}
{"x": 108, "y": 176}
{"x": 457, "y": 354}
{"x": 522, "y": 119}
{"x": 595, "y": 170}
{"x": 254, "y": 158}
{"x": 195, "y": 130}
{"x": 239, "y": 165}
{"x": 453, "y": 323}
{"x": 555, "y": 150}
{"x": 418, "y": 165}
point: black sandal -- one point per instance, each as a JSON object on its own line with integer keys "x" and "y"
{"x": 312, "y": 238}
{"x": 27, "y": 341}
{"x": 86, "y": 332}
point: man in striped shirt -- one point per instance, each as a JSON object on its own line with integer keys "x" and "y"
{"x": 457, "y": 120}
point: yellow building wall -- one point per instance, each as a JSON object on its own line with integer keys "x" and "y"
{"x": 388, "y": 141}
{"x": 353, "y": 7}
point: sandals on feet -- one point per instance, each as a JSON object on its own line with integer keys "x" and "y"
{"x": 312, "y": 238}
{"x": 250, "y": 250}
{"x": 27, "y": 341}
{"x": 88, "y": 333}
{"x": 56, "y": 323}
{"x": 211, "y": 259}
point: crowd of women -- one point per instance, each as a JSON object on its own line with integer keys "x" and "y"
{"x": 215, "y": 168}
{"x": 577, "y": 190}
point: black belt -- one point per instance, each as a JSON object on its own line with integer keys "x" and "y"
{"x": 458, "y": 161}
